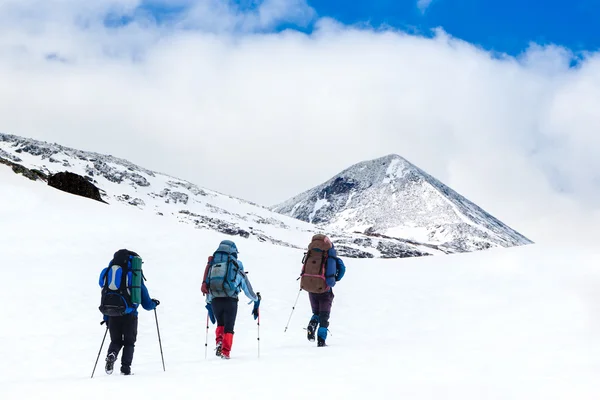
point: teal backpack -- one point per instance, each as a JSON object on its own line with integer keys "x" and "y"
{"x": 223, "y": 271}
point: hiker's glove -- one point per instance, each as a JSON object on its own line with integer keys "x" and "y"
{"x": 256, "y": 306}
{"x": 156, "y": 302}
{"x": 211, "y": 315}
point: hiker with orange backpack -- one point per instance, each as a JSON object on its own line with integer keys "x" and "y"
{"x": 224, "y": 278}
{"x": 321, "y": 269}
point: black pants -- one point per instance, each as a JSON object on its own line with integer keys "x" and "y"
{"x": 123, "y": 333}
{"x": 225, "y": 310}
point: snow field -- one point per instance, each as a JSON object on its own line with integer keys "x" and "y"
{"x": 519, "y": 323}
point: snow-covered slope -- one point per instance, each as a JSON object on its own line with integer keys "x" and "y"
{"x": 390, "y": 196}
{"x": 499, "y": 324}
{"x": 122, "y": 182}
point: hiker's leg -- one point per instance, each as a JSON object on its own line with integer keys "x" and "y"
{"x": 314, "y": 306}
{"x": 325, "y": 303}
{"x": 130, "y": 325}
{"x": 115, "y": 327}
{"x": 311, "y": 329}
{"x": 230, "y": 316}
{"x": 219, "y": 312}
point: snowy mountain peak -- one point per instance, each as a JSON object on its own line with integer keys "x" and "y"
{"x": 391, "y": 197}
{"x": 365, "y": 174}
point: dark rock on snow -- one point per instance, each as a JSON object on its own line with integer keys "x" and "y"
{"x": 75, "y": 184}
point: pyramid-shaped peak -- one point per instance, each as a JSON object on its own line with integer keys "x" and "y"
{"x": 392, "y": 197}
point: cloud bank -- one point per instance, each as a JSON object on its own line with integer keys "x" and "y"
{"x": 214, "y": 96}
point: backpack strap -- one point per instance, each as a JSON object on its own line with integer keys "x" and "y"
{"x": 323, "y": 262}
{"x": 105, "y": 277}
{"x": 124, "y": 272}
{"x": 307, "y": 255}
{"x": 226, "y": 273}
{"x": 236, "y": 270}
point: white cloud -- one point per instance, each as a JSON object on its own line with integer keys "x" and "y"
{"x": 265, "y": 116}
{"x": 423, "y": 5}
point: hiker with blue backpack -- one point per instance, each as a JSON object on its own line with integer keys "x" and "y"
{"x": 123, "y": 290}
{"x": 321, "y": 269}
{"x": 224, "y": 278}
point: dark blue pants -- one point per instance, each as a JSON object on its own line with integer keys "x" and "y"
{"x": 225, "y": 310}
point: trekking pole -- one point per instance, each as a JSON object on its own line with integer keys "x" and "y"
{"x": 159, "y": 342}
{"x": 258, "y": 332}
{"x": 100, "y": 351}
{"x": 206, "y": 342}
{"x": 293, "y": 308}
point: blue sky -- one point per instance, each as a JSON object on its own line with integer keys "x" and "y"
{"x": 506, "y": 26}
{"x": 502, "y": 25}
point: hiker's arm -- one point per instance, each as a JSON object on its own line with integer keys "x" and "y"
{"x": 247, "y": 287}
{"x": 147, "y": 302}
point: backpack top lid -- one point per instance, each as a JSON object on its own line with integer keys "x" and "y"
{"x": 320, "y": 242}
{"x": 121, "y": 257}
{"x": 227, "y": 246}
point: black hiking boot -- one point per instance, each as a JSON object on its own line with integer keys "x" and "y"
{"x": 321, "y": 342}
{"x": 110, "y": 362}
{"x": 311, "y": 329}
{"x": 125, "y": 370}
{"x": 219, "y": 349}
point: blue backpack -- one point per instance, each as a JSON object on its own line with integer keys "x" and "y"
{"x": 223, "y": 271}
{"x": 121, "y": 284}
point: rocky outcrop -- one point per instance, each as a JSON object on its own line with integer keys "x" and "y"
{"x": 32, "y": 174}
{"x": 216, "y": 224}
{"x": 350, "y": 252}
{"x": 172, "y": 197}
{"x": 75, "y": 184}
{"x": 398, "y": 250}
{"x": 134, "y": 201}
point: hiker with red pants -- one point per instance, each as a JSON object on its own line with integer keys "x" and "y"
{"x": 224, "y": 278}
{"x": 322, "y": 268}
